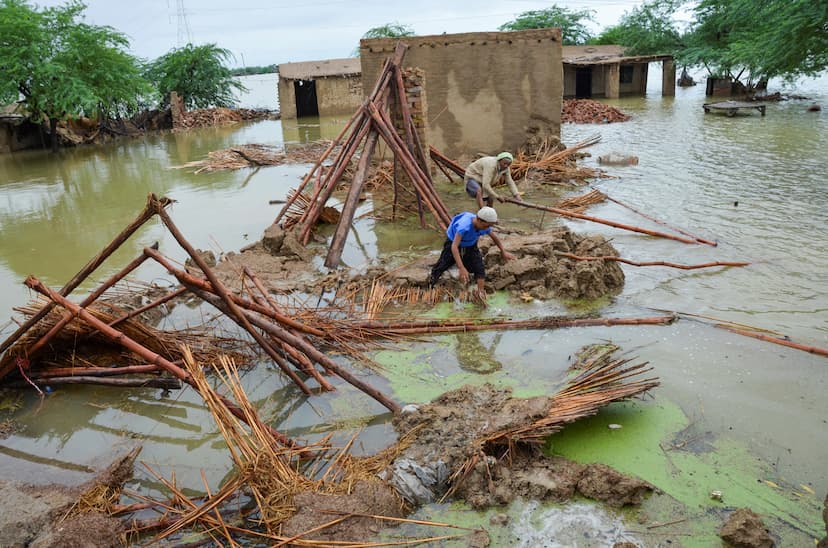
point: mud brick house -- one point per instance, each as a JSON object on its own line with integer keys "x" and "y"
{"x": 320, "y": 88}
{"x": 482, "y": 91}
{"x": 604, "y": 71}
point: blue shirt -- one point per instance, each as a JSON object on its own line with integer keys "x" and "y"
{"x": 462, "y": 224}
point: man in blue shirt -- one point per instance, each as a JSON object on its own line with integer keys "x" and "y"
{"x": 460, "y": 248}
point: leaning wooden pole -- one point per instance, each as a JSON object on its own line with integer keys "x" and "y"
{"x": 573, "y": 215}
{"x": 346, "y": 217}
{"x": 153, "y": 205}
{"x": 235, "y": 312}
{"x": 41, "y": 343}
{"x": 133, "y": 346}
{"x": 303, "y": 345}
{"x": 316, "y": 166}
{"x": 300, "y": 359}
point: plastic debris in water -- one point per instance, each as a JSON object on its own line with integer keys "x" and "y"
{"x": 716, "y": 495}
{"x": 614, "y": 426}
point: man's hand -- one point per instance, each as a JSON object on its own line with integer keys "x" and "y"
{"x": 464, "y": 275}
{"x": 507, "y": 256}
{"x": 501, "y": 199}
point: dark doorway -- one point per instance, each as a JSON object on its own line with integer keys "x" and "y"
{"x": 306, "y": 104}
{"x": 583, "y": 83}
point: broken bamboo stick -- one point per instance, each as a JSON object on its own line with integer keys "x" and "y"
{"x": 650, "y": 263}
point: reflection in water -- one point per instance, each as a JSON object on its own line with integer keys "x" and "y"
{"x": 473, "y": 356}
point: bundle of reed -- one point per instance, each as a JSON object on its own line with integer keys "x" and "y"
{"x": 579, "y": 204}
{"x": 267, "y": 471}
{"x": 601, "y": 382}
{"x": 553, "y": 164}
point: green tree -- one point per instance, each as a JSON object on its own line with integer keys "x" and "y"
{"x": 60, "y": 67}
{"x": 388, "y": 30}
{"x": 754, "y": 41}
{"x": 198, "y": 74}
{"x": 571, "y": 22}
{"x": 649, "y": 29}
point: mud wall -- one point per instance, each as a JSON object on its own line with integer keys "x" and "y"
{"x": 334, "y": 95}
{"x": 487, "y": 91}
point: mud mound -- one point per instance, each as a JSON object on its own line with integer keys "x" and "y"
{"x": 744, "y": 529}
{"x": 93, "y": 530}
{"x": 529, "y": 475}
{"x": 446, "y": 433}
{"x": 537, "y": 271}
{"x": 366, "y": 497}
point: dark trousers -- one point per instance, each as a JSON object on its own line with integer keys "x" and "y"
{"x": 471, "y": 257}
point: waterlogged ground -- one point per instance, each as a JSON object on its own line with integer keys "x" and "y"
{"x": 700, "y": 475}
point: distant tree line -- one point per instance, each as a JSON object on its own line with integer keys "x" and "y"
{"x": 246, "y": 71}
{"x": 745, "y": 40}
{"x": 58, "y": 67}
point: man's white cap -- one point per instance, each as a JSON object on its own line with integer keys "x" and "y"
{"x": 487, "y": 214}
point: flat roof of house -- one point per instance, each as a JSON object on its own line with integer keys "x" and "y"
{"x": 307, "y": 70}
{"x": 604, "y": 55}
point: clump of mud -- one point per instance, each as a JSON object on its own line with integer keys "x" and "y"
{"x": 371, "y": 498}
{"x": 447, "y": 431}
{"x": 744, "y": 529}
{"x": 56, "y": 515}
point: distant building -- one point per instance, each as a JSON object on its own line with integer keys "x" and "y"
{"x": 320, "y": 88}
{"x": 479, "y": 92}
{"x": 604, "y": 71}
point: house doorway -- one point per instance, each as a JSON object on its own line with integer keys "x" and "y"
{"x": 305, "y": 92}
{"x": 583, "y": 83}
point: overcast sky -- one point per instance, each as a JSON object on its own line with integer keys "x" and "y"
{"x": 260, "y": 32}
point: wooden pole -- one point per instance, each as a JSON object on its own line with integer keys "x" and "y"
{"x": 312, "y": 352}
{"x": 235, "y": 312}
{"x": 680, "y": 231}
{"x": 776, "y": 340}
{"x": 153, "y": 205}
{"x": 164, "y": 382}
{"x": 301, "y": 360}
{"x": 349, "y": 208}
{"x": 133, "y": 346}
{"x": 572, "y": 214}
{"x": 651, "y": 263}
{"x": 35, "y": 349}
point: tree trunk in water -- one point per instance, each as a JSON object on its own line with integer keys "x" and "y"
{"x": 53, "y": 133}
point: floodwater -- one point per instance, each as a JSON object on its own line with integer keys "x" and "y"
{"x": 754, "y": 184}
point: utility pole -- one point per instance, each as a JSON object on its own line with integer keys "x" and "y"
{"x": 183, "y": 25}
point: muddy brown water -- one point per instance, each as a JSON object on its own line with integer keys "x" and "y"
{"x": 755, "y": 184}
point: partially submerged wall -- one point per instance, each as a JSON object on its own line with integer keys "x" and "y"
{"x": 487, "y": 91}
